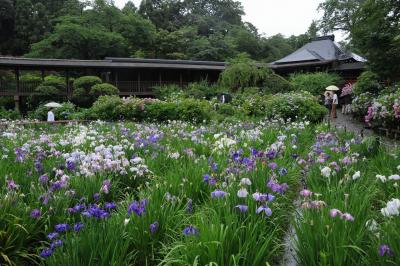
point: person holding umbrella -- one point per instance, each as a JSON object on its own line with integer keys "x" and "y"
{"x": 335, "y": 100}
{"x": 50, "y": 114}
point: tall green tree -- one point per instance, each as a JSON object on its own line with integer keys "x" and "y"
{"x": 71, "y": 40}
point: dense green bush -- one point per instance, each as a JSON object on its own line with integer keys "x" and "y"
{"x": 314, "y": 82}
{"x": 250, "y": 104}
{"x": 114, "y": 108}
{"x": 295, "y": 106}
{"x": 30, "y": 77}
{"x": 65, "y": 112}
{"x": 81, "y": 93}
{"x": 164, "y": 92}
{"x": 226, "y": 109}
{"x": 86, "y": 82}
{"x": 103, "y": 89}
{"x": 368, "y": 81}
{"x": 9, "y": 114}
{"x": 273, "y": 83}
{"x": 203, "y": 90}
{"x": 106, "y": 107}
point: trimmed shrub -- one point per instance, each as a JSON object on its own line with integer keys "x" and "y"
{"x": 368, "y": 81}
{"x": 295, "y": 106}
{"x": 106, "y": 107}
{"x": 315, "y": 83}
{"x": 103, "y": 89}
{"x": 82, "y": 87}
{"x": 87, "y": 82}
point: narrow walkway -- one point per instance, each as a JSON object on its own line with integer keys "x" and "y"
{"x": 349, "y": 123}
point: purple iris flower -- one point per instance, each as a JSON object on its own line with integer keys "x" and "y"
{"x": 264, "y": 209}
{"x": 52, "y": 236}
{"x": 276, "y": 187}
{"x": 272, "y": 165}
{"x": 218, "y": 194}
{"x": 38, "y": 166}
{"x": 56, "y": 243}
{"x": 46, "y": 252}
{"x": 282, "y": 171}
{"x": 385, "y": 249}
{"x": 43, "y": 179}
{"x": 35, "y": 213}
{"x": 206, "y": 178}
{"x": 61, "y": 227}
{"x": 78, "y": 227}
{"x": 105, "y": 188}
{"x": 242, "y": 208}
{"x": 110, "y": 205}
{"x": 96, "y": 212}
{"x": 190, "y": 230}
{"x": 271, "y": 154}
{"x": 214, "y": 167}
{"x": 138, "y": 207}
{"x": 96, "y": 196}
{"x": 153, "y": 227}
{"x": 71, "y": 165}
{"x": 11, "y": 185}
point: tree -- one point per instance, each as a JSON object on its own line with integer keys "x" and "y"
{"x": 376, "y": 34}
{"x": 339, "y": 14}
{"x": 7, "y": 20}
{"x": 75, "y": 41}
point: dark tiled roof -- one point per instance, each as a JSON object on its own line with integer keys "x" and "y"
{"x": 319, "y": 49}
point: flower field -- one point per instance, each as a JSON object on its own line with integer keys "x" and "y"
{"x": 183, "y": 194}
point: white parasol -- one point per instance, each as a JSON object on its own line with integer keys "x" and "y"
{"x": 53, "y": 105}
{"x": 332, "y": 88}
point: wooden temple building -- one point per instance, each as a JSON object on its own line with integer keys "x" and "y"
{"x": 321, "y": 54}
{"x": 133, "y": 76}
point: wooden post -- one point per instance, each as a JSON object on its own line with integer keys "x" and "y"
{"x": 159, "y": 77}
{"x": 67, "y": 81}
{"x": 139, "y": 86}
{"x": 17, "y": 96}
{"x": 116, "y": 78}
{"x": 180, "y": 79}
{"x": 42, "y": 71}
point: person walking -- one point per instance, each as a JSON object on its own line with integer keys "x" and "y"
{"x": 328, "y": 101}
{"x": 50, "y": 116}
{"x": 335, "y": 102}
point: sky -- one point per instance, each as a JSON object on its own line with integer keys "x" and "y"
{"x": 288, "y": 17}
